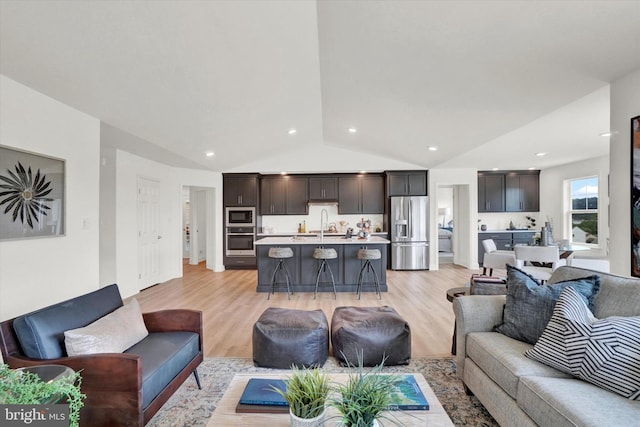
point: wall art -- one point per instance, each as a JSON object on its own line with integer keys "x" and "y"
{"x": 32, "y": 195}
{"x": 635, "y": 196}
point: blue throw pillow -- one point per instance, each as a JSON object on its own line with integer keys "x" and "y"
{"x": 529, "y": 305}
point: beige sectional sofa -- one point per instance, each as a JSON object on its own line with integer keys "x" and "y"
{"x": 519, "y": 391}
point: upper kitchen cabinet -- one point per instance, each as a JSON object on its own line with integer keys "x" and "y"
{"x": 513, "y": 191}
{"x": 240, "y": 189}
{"x": 523, "y": 191}
{"x": 361, "y": 194}
{"x": 323, "y": 188}
{"x": 490, "y": 192}
{"x": 284, "y": 195}
{"x": 407, "y": 183}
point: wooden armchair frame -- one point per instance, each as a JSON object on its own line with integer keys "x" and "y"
{"x": 113, "y": 381}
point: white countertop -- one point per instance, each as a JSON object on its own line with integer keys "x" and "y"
{"x": 328, "y": 240}
{"x": 313, "y": 234}
{"x": 526, "y": 230}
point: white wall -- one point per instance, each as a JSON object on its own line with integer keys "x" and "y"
{"x": 107, "y": 214}
{"x": 625, "y": 103}
{"x": 322, "y": 158}
{"x": 171, "y": 181}
{"x": 38, "y": 272}
{"x": 465, "y": 214}
{"x": 552, "y": 192}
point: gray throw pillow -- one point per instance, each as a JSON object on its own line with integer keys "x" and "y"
{"x": 604, "y": 352}
{"x": 529, "y": 305}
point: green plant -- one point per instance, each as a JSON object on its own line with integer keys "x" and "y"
{"x": 26, "y": 388}
{"x": 307, "y": 391}
{"x": 365, "y": 395}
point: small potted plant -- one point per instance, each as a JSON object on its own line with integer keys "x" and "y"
{"x": 20, "y": 387}
{"x": 365, "y": 396}
{"x": 307, "y": 391}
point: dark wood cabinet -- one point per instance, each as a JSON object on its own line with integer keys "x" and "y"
{"x": 406, "y": 183}
{"x": 297, "y": 195}
{"x": 303, "y": 268}
{"x": 284, "y": 195}
{"x": 522, "y": 192}
{"x": 505, "y": 241}
{"x": 490, "y": 192}
{"x": 323, "y": 188}
{"x": 513, "y": 191}
{"x": 240, "y": 189}
{"x": 272, "y": 196}
{"x": 361, "y": 194}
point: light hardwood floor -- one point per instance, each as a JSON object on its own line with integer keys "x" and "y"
{"x": 231, "y": 305}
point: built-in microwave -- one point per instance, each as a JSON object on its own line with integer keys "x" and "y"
{"x": 240, "y": 217}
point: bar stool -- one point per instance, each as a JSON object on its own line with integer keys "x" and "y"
{"x": 280, "y": 254}
{"x": 367, "y": 255}
{"x": 323, "y": 254}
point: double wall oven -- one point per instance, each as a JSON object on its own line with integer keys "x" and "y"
{"x": 240, "y": 231}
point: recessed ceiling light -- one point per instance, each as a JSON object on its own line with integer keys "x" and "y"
{"x": 283, "y": 173}
{"x": 363, "y": 172}
{"x": 432, "y": 148}
{"x": 353, "y": 130}
{"x": 494, "y": 169}
{"x": 541, "y": 154}
{"x": 532, "y": 169}
{"x": 209, "y": 154}
{"x": 292, "y": 131}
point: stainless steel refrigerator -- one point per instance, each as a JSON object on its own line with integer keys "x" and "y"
{"x": 409, "y": 233}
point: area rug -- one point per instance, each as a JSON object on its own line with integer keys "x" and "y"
{"x": 192, "y": 407}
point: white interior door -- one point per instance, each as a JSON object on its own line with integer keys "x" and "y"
{"x": 148, "y": 233}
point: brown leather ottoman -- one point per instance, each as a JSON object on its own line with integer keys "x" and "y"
{"x": 283, "y": 337}
{"x": 375, "y": 332}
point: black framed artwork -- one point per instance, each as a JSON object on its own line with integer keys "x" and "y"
{"x": 32, "y": 195}
{"x": 635, "y": 196}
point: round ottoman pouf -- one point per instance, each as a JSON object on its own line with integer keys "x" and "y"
{"x": 375, "y": 332}
{"x": 283, "y": 337}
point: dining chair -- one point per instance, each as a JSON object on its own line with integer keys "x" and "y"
{"x": 538, "y": 261}
{"x": 494, "y": 258}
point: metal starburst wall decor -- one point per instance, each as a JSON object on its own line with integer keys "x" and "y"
{"x": 32, "y": 195}
{"x": 24, "y": 195}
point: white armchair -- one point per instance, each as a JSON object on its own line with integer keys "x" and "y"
{"x": 546, "y": 255}
{"x": 494, "y": 258}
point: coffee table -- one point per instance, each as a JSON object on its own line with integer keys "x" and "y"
{"x": 225, "y": 413}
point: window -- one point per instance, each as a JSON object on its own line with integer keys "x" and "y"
{"x": 584, "y": 210}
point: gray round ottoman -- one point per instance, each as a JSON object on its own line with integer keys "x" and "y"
{"x": 375, "y": 332}
{"x": 283, "y": 337}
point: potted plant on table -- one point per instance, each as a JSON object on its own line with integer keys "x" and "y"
{"x": 21, "y": 387}
{"x": 307, "y": 391}
{"x": 365, "y": 396}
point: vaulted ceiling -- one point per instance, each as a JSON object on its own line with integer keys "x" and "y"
{"x": 489, "y": 83}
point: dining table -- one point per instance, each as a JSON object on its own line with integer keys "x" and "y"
{"x": 567, "y": 251}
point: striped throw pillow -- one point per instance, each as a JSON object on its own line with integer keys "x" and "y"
{"x": 604, "y": 352}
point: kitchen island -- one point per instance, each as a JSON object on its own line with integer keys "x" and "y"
{"x": 303, "y": 267}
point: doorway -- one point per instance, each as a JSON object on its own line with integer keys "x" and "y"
{"x": 446, "y": 223}
{"x": 197, "y": 227}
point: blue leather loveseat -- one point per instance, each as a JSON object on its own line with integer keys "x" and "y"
{"x": 123, "y": 389}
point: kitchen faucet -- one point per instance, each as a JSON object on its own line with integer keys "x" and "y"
{"x": 324, "y": 219}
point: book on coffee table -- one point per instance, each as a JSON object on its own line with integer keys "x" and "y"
{"x": 407, "y": 396}
{"x": 259, "y": 396}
